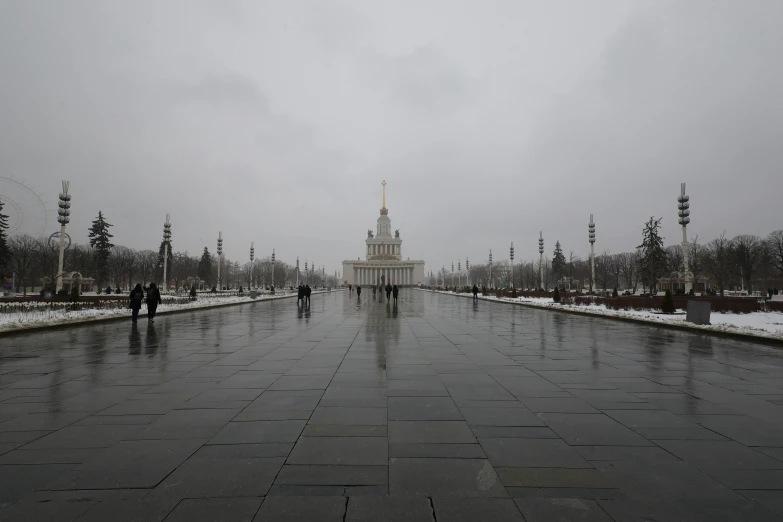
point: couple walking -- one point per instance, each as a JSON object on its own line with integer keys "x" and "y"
{"x": 137, "y": 297}
{"x": 303, "y": 294}
{"x": 392, "y": 291}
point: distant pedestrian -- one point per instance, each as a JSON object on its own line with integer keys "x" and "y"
{"x": 475, "y": 292}
{"x": 299, "y": 294}
{"x": 153, "y": 300}
{"x": 308, "y": 290}
{"x": 358, "y": 291}
{"x": 388, "y": 291}
{"x": 136, "y": 297}
{"x": 395, "y": 293}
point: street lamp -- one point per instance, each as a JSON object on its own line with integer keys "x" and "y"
{"x": 684, "y": 213}
{"x": 220, "y": 256}
{"x": 297, "y": 271}
{"x": 307, "y": 274}
{"x": 467, "y": 270}
{"x": 490, "y": 269}
{"x": 273, "y": 268}
{"x": 459, "y": 273}
{"x": 166, "y": 240}
{"x": 591, "y": 236}
{"x": 252, "y": 265}
{"x": 63, "y": 217}
{"x": 512, "y": 265}
{"x": 452, "y": 273}
{"x": 541, "y": 258}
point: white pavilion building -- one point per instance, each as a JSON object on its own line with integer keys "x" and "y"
{"x": 383, "y": 258}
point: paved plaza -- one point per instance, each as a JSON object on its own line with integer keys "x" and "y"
{"x": 438, "y": 409}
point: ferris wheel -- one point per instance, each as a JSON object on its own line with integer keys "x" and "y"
{"x": 24, "y": 207}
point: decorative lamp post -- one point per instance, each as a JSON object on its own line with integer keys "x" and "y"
{"x": 220, "y": 256}
{"x": 166, "y": 241}
{"x": 490, "y": 269}
{"x": 252, "y": 265}
{"x": 307, "y": 274}
{"x": 297, "y": 271}
{"x": 452, "y": 273}
{"x": 541, "y": 258}
{"x": 684, "y": 213}
{"x": 63, "y": 217}
{"x": 467, "y": 270}
{"x": 591, "y": 236}
{"x": 512, "y": 264}
{"x": 459, "y": 273}
{"x": 273, "y": 268}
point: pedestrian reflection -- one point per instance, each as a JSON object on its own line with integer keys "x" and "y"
{"x": 134, "y": 342}
{"x": 394, "y": 311}
{"x": 151, "y": 344}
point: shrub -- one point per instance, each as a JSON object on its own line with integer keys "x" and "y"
{"x": 556, "y": 296}
{"x": 667, "y": 306}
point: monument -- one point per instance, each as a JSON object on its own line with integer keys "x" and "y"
{"x": 383, "y": 261}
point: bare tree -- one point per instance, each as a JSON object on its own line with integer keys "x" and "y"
{"x": 718, "y": 261}
{"x": 674, "y": 258}
{"x": 748, "y": 251}
{"x": 696, "y": 253}
{"x": 23, "y": 257}
{"x": 48, "y": 261}
{"x": 147, "y": 264}
{"x": 775, "y": 250}
{"x": 604, "y": 267}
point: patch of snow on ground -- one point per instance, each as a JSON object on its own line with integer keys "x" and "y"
{"x": 763, "y": 324}
{"x": 35, "y": 319}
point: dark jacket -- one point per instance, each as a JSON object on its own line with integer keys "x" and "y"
{"x": 475, "y": 290}
{"x": 300, "y": 292}
{"x": 395, "y": 290}
{"x": 308, "y": 290}
{"x": 136, "y": 297}
{"x": 153, "y": 298}
{"x": 388, "y": 288}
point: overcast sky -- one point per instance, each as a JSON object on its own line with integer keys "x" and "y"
{"x": 275, "y": 121}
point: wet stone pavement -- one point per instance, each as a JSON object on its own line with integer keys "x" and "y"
{"x": 437, "y": 409}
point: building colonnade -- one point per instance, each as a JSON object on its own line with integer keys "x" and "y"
{"x": 371, "y": 275}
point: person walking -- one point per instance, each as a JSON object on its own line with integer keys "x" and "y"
{"x": 136, "y": 297}
{"x": 395, "y": 293}
{"x": 308, "y": 290}
{"x": 299, "y": 294}
{"x": 358, "y": 291}
{"x": 475, "y": 292}
{"x": 388, "y": 291}
{"x": 153, "y": 300}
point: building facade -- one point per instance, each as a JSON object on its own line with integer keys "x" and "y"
{"x": 383, "y": 258}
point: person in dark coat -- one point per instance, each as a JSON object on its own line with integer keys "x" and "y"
{"x": 136, "y": 297}
{"x": 358, "y": 291}
{"x": 299, "y": 294}
{"x": 308, "y": 290}
{"x": 388, "y": 291}
{"x": 395, "y": 293}
{"x": 153, "y": 300}
{"x": 475, "y": 292}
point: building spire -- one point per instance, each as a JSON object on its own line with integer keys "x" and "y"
{"x": 384, "y": 211}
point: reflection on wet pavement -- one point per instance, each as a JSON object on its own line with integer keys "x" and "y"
{"x": 437, "y": 408}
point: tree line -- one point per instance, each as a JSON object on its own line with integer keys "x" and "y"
{"x": 32, "y": 260}
{"x": 746, "y": 261}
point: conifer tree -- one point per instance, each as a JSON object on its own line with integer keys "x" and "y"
{"x": 653, "y": 255}
{"x": 558, "y": 262}
{"x": 205, "y": 266}
{"x": 100, "y": 241}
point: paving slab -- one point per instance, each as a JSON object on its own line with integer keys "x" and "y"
{"x": 437, "y": 409}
